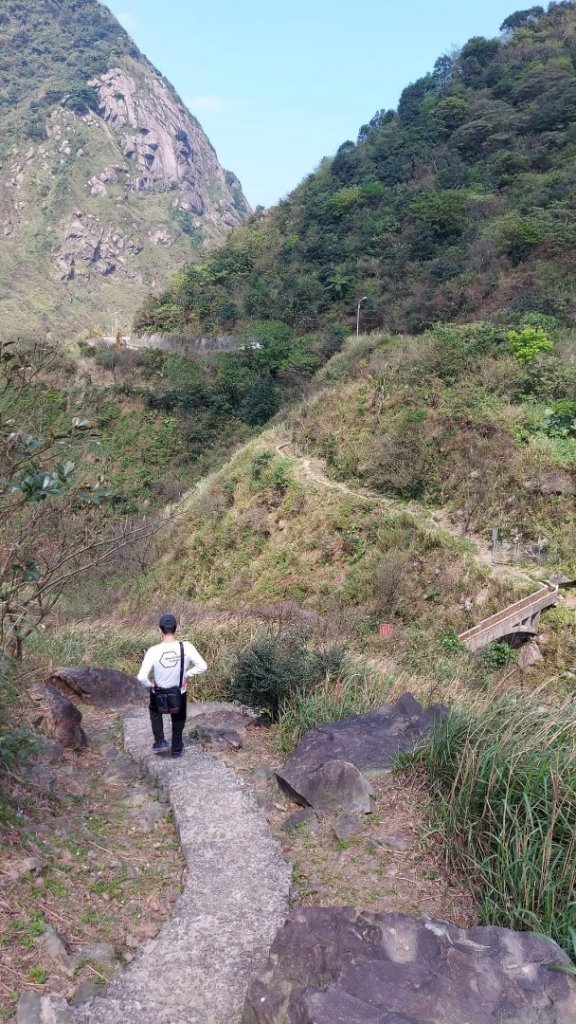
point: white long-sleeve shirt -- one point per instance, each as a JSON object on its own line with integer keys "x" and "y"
{"x": 163, "y": 662}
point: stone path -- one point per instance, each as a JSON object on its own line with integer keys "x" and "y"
{"x": 198, "y": 968}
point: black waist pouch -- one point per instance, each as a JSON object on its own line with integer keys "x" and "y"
{"x": 167, "y": 702}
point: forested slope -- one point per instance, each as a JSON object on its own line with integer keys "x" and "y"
{"x": 458, "y": 204}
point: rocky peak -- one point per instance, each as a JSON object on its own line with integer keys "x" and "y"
{"x": 167, "y": 148}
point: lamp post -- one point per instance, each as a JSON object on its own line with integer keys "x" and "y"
{"x": 363, "y": 299}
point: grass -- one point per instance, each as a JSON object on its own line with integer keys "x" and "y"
{"x": 353, "y": 691}
{"x": 505, "y": 786}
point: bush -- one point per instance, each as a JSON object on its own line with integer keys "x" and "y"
{"x": 505, "y": 785}
{"x": 529, "y": 343}
{"x": 276, "y": 666}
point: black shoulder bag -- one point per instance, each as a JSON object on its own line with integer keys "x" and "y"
{"x": 169, "y": 701}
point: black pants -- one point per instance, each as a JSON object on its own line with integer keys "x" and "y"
{"x": 178, "y": 722}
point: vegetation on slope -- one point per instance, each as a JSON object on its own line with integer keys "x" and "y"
{"x": 505, "y": 785}
{"x": 50, "y": 50}
{"x": 456, "y": 205}
{"x": 462, "y": 418}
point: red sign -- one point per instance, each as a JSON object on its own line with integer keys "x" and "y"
{"x": 386, "y": 629}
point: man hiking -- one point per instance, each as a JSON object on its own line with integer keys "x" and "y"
{"x": 171, "y": 663}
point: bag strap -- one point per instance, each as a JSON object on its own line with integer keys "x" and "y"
{"x": 181, "y": 662}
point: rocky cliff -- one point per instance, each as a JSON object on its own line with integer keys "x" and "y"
{"x": 107, "y": 184}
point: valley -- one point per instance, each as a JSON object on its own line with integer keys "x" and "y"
{"x": 355, "y": 441}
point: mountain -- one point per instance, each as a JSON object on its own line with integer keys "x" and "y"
{"x": 458, "y": 204}
{"x": 107, "y": 182}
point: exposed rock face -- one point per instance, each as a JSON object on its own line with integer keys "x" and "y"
{"x": 341, "y": 966}
{"x": 167, "y": 148}
{"x": 124, "y": 194}
{"x": 58, "y": 718}
{"x": 87, "y": 241}
{"x": 369, "y": 741}
{"x": 104, "y": 687}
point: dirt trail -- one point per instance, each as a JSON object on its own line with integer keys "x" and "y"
{"x": 311, "y": 470}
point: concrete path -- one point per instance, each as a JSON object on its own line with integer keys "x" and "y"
{"x": 236, "y": 897}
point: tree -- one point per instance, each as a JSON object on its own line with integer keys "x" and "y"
{"x": 519, "y": 19}
{"x": 51, "y": 529}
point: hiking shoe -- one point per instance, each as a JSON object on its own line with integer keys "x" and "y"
{"x": 160, "y": 748}
{"x": 177, "y": 753}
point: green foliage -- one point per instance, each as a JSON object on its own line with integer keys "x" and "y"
{"x": 278, "y": 665}
{"x": 454, "y": 207}
{"x": 56, "y": 47}
{"x": 529, "y": 343}
{"x": 505, "y": 785}
{"x": 496, "y": 656}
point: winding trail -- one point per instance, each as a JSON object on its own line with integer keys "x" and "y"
{"x": 311, "y": 470}
{"x": 196, "y": 971}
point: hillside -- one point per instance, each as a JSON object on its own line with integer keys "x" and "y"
{"x": 458, "y": 205}
{"x": 107, "y": 182}
{"x": 374, "y": 500}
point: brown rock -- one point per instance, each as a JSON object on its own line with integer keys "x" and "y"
{"x": 104, "y": 687}
{"x": 58, "y": 717}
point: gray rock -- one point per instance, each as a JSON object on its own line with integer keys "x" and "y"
{"x": 305, "y": 817}
{"x": 102, "y": 953}
{"x": 87, "y": 990}
{"x": 57, "y": 717}
{"x": 331, "y": 965}
{"x": 262, "y": 775}
{"x": 392, "y": 843}
{"x": 47, "y": 751}
{"x": 371, "y": 741}
{"x": 16, "y": 869}
{"x": 335, "y": 785}
{"x": 35, "y": 1009}
{"x": 53, "y": 944}
{"x": 104, "y": 687}
{"x": 347, "y": 825}
{"x": 29, "y": 1010}
{"x": 219, "y": 725}
{"x": 211, "y": 736}
{"x": 528, "y": 655}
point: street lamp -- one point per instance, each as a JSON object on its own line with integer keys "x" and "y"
{"x": 363, "y": 299}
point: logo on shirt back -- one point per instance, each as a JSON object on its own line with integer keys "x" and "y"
{"x": 169, "y": 659}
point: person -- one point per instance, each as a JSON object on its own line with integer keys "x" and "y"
{"x": 163, "y": 663}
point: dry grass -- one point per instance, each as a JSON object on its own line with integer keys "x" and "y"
{"x": 360, "y": 871}
{"x": 103, "y": 874}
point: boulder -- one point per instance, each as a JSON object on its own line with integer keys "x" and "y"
{"x": 368, "y": 742}
{"x": 104, "y": 687}
{"x": 557, "y": 481}
{"x": 58, "y": 717}
{"x": 528, "y": 655}
{"x": 333, "y": 965}
{"x": 334, "y": 786}
{"x": 219, "y": 725}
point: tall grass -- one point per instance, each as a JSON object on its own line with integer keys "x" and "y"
{"x": 350, "y": 692}
{"x": 505, "y": 783}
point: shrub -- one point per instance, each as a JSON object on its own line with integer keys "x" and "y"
{"x": 529, "y": 343}
{"x": 505, "y": 785}
{"x": 277, "y": 665}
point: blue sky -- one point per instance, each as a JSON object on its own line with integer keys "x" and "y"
{"x": 278, "y": 86}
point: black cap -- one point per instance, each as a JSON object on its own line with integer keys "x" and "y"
{"x": 167, "y": 624}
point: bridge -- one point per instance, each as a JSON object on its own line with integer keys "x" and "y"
{"x": 521, "y": 617}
